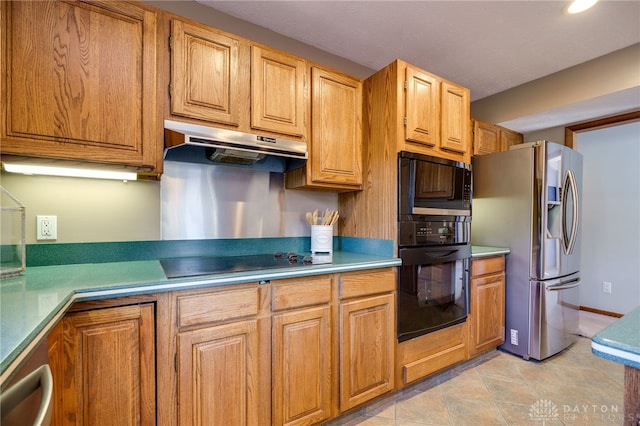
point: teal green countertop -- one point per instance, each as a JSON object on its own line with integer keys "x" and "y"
{"x": 620, "y": 342}
{"x": 484, "y": 251}
{"x": 33, "y": 302}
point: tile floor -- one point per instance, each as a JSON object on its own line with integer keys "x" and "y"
{"x": 572, "y": 388}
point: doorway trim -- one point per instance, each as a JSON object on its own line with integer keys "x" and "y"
{"x": 570, "y": 138}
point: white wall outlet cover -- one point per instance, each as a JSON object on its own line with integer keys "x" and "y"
{"x": 46, "y": 227}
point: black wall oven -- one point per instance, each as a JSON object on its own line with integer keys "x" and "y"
{"x": 434, "y": 205}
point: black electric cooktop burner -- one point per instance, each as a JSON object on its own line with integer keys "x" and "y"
{"x": 179, "y": 267}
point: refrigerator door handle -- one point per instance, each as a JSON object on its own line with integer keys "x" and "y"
{"x": 570, "y": 284}
{"x": 570, "y": 184}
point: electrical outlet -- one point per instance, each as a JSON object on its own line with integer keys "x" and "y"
{"x": 606, "y": 287}
{"x": 46, "y": 227}
{"x": 514, "y": 337}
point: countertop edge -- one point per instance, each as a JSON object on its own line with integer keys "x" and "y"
{"x": 23, "y": 349}
{"x": 616, "y": 355}
{"x": 486, "y": 251}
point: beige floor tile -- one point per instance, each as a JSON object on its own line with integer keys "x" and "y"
{"x": 508, "y": 391}
{"x": 428, "y": 407}
{"x": 467, "y": 412}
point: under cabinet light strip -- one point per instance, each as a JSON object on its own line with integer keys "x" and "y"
{"x": 30, "y": 169}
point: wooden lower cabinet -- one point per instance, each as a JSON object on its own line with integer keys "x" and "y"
{"x": 103, "y": 367}
{"x": 486, "y": 317}
{"x": 301, "y": 375}
{"x": 301, "y": 350}
{"x": 367, "y": 335}
{"x": 217, "y": 373}
{"x": 216, "y": 355}
{"x": 422, "y": 356}
{"x": 367, "y": 340}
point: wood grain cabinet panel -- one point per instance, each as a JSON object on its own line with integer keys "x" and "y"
{"x": 335, "y": 143}
{"x": 302, "y": 366}
{"x": 422, "y": 107}
{"x": 103, "y": 367}
{"x": 455, "y": 105}
{"x": 367, "y": 342}
{"x": 436, "y": 115}
{"x": 489, "y": 138}
{"x": 487, "y": 310}
{"x": 278, "y": 94}
{"x": 81, "y": 82}
{"x": 508, "y": 138}
{"x": 217, "y": 375}
{"x": 204, "y": 74}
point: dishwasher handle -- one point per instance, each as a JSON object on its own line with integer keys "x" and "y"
{"x": 40, "y": 377}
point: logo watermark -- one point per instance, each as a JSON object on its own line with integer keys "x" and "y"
{"x": 546, "y": 411}
{"x": 543, "y": 410}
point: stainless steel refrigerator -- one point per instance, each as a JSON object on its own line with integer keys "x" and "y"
{"x": 528, "y": 199}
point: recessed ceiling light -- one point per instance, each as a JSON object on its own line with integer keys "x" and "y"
{"x": 578, "y": 6}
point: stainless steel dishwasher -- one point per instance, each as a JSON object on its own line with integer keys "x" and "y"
{"x": 18, "y": 401}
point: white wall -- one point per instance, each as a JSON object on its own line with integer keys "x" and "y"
{"x": 611, "y": 217}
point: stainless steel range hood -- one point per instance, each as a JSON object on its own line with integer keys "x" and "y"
{"x": 193, "y": 143}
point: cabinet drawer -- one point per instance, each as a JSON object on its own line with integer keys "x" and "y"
{"x": 362, "y": 284}
{"x": 295, "y": 293}
{"x": 489, "y": 265}
{"x": 216, "y": 306}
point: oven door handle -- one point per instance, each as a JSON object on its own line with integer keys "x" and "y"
{"x": 442, "y": 255}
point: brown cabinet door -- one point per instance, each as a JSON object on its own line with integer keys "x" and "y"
{"x": 217, "y": 375}
{"x": 336, "y": 135}
{"x": 367, "y": 342}
{"x": 81, "y": 82}
{"x": 508, "y": 138}
{"x": 487, "y": 304}
{"x": 277, "y": 92}
{"x": 486, "y": 138}
{"x": 302, "y": 366}
{"x": 103, "y": 367}
{"x": 454, "y": 131}
{"x": 204, "y": 74}
{"x": 422, "y": 112}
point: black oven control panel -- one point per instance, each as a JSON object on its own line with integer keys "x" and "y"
{"x": 432, "y": 233}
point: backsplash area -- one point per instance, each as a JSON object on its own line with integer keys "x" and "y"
{"x": 213, "y": 201}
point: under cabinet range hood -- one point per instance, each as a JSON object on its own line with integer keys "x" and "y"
{"x": 193, "y": 143}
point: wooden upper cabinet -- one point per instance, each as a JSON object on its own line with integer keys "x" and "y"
{"x": 278, "y": 92}
{"x": 422, "y": 101}
{"x": 335, "y": 143}
{"x": 80, "y": 82}
{"x": 488, "y": 138}
{"x": 204, "y": 74}
{"x": 454, "y": 131}
{"x": 508, "y": 138}
{"x": 436, "y": 115}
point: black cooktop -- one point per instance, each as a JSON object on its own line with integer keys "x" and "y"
{"x": 179, "y": 267}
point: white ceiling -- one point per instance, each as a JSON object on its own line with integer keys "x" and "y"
{"x": 487, "y": 46}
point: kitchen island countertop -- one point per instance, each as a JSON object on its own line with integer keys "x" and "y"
{"x": 32, "y": 303}
{"x": 620, "y": 342}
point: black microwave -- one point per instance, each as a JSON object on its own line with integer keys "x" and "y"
{"x": 432, "y": 186}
